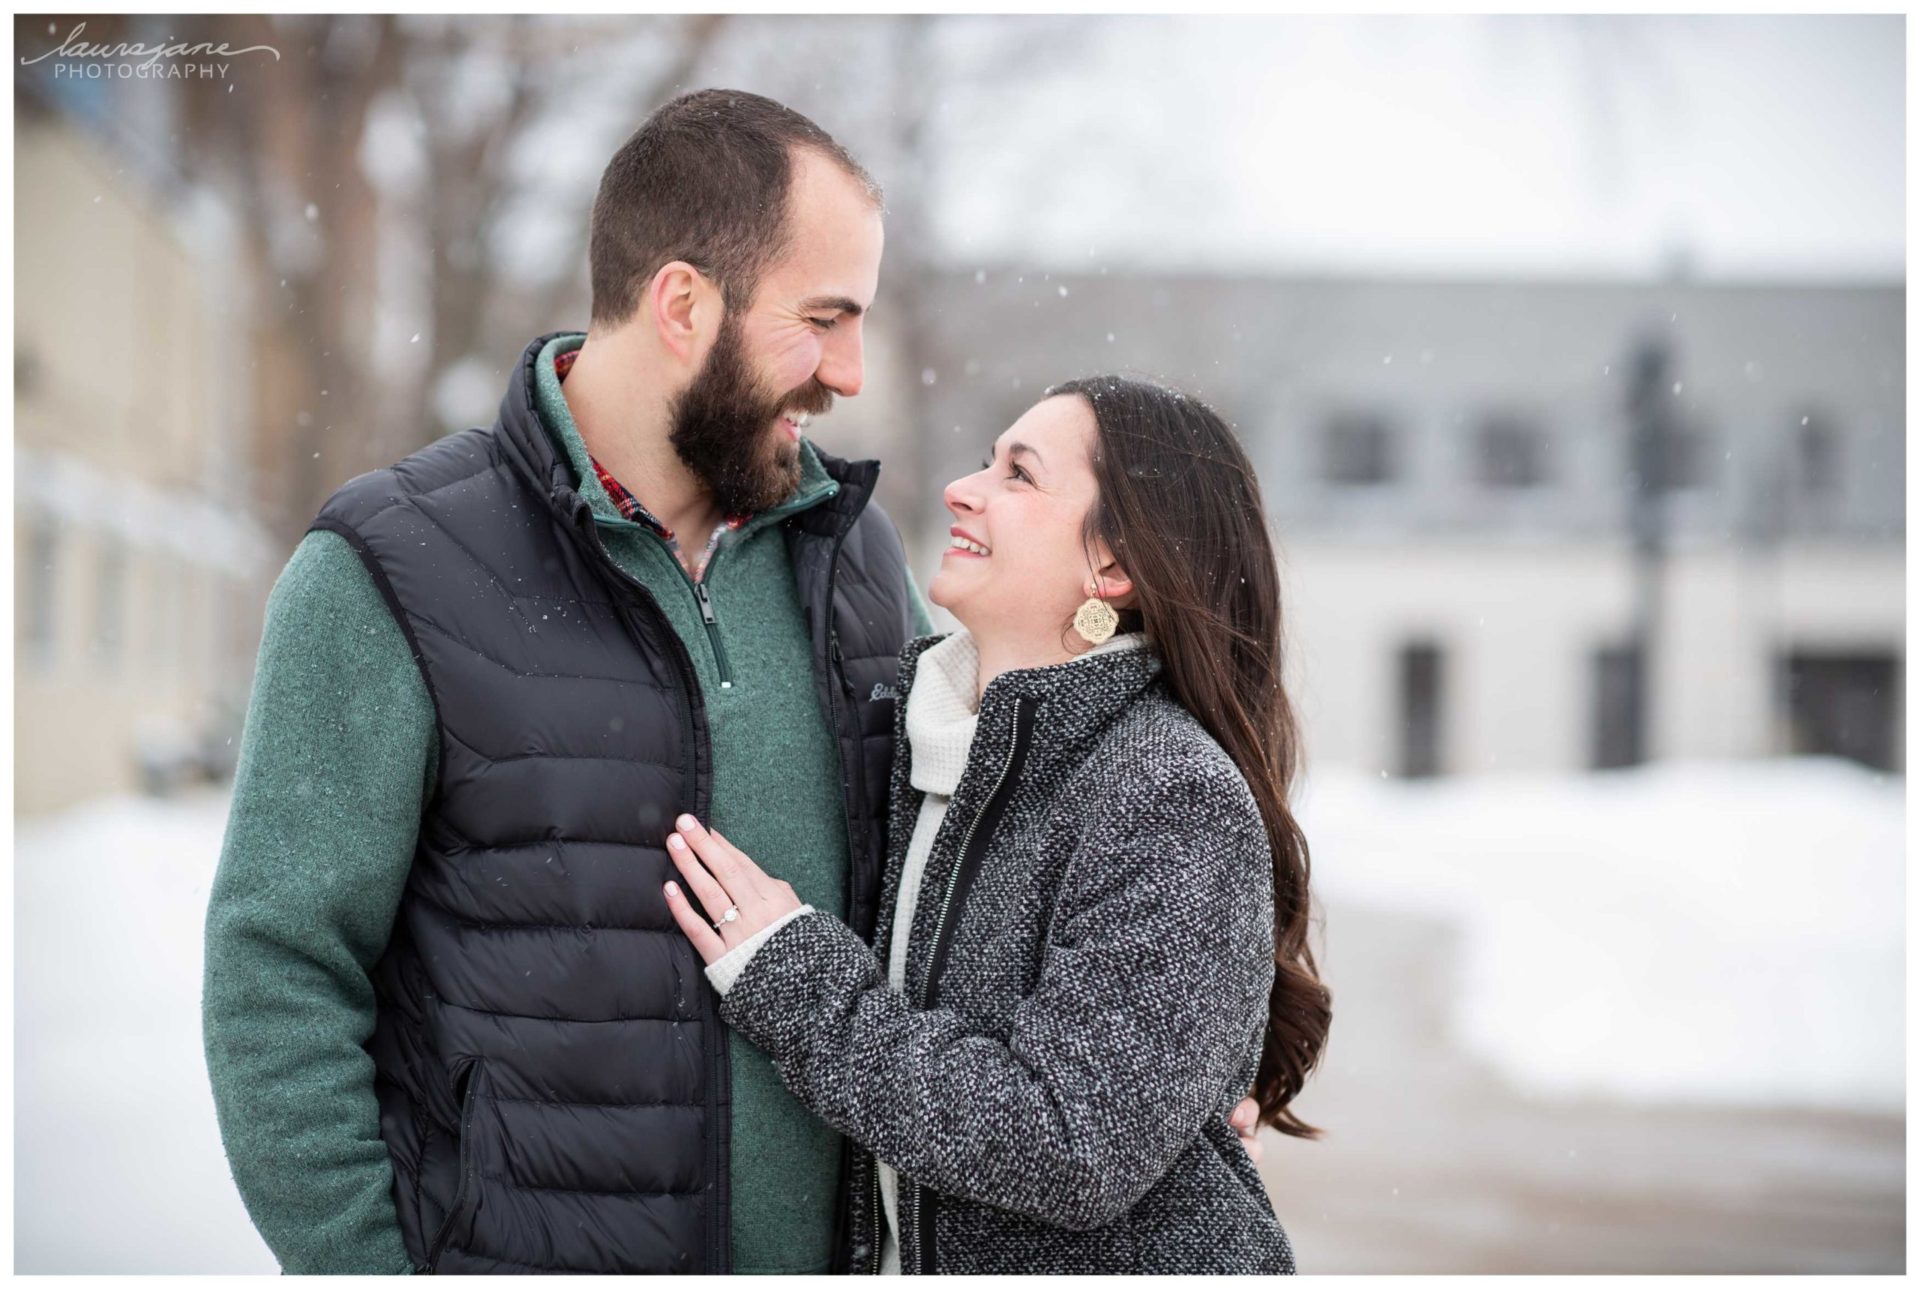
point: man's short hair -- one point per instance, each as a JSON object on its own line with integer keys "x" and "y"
{"x": 705, "y": 179}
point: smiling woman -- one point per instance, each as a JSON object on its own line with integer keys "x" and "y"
{"x": 1020, "y": 562}
{"x": 1042, "y": 1054}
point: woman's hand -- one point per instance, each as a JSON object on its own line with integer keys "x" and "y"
{"x": 721, "y": 878}
{"x": 1246, "y": 1121}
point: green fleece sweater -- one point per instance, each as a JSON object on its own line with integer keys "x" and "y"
{"x": 336, "y": 763}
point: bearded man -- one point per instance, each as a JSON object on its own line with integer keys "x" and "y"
{"x": 450, "y": 1023}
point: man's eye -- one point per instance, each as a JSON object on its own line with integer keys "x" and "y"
{"x": 825, "y": 324}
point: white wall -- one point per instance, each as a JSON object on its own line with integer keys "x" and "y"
{"x": 1518, "y": 624}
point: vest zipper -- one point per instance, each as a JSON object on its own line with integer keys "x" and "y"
{"x": 972, "y": 847}
{"x": 467, "y": 1168}
{"x": 853, "y": 779}
{"x": 719, "y": 1252}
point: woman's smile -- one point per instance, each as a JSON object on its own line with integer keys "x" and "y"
{"x": 963, "y": 543}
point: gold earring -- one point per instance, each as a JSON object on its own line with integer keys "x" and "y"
{"x": 1095, "y": 620}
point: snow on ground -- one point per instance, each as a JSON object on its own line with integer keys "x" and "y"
{"x": 1717, "y": 932}
{"x": 1728, "y": 933}
{"x": 118, "y": 1166}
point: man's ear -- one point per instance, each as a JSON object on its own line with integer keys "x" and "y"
{"x": 685, "y": 308}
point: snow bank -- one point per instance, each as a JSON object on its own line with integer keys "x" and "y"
{"x": 1721, "y": 933}
{"x": 117, "y": 1154}
{"x": 1699, "y": 932}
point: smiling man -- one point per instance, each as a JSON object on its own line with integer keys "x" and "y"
{"x": 450, "y": 1022}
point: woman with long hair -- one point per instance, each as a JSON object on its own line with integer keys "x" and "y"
{"x": 1093, "y": 931}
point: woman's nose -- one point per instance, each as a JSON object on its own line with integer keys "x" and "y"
{"x": 961, "y": 497}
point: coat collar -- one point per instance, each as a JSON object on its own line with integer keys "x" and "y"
{"x": 1074, "y": 701}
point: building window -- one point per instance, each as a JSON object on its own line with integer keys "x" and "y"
{"x": 26, "y": 375}
{"x": 1841, "y": 704}
{"x": 40, "y": 598}
{"x": 1510, "y": 452}
{"x": 110, "y": 604}
{"x": 1359, "y": 449}
{"x": 1816, "y": 455}
{"x": 1619, "y": 708}
{"x": 1419, "y": 685}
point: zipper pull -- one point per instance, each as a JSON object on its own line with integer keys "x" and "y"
{"x": 706, "y": 605}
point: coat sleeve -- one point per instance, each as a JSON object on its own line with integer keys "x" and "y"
{"x": 1152, "y": 989}
{"x": 335, "y": 761}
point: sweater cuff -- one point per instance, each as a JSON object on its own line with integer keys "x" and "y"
{"x": 724, "y": 970}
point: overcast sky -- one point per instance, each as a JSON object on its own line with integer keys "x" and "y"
{"x": 1755, "y": 147}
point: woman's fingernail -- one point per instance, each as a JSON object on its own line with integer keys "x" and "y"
{"x": 672, "y": 889}
{"x": 685, "y": 823}
{"x": 674, "y": 842}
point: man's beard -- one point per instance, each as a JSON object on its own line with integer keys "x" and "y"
{"x": 723, "y": 429}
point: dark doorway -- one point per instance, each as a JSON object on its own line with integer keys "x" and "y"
{"x": 1619, "y": 708}
{"x": 1841, "y": 704}
{"x": 1420, "y": 677}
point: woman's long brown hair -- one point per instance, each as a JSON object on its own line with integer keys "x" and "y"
{"x": 1180, "y": 508}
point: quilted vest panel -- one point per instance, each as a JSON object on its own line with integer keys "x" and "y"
{"x": 551, "y": 1069}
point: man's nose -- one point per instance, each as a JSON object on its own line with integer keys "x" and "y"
{"x": 841, "y": 362}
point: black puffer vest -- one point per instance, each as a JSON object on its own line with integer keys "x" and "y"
{"x": 551, "y": 1069}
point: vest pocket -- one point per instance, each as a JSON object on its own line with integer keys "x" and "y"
{"x": 467, "y": 1193}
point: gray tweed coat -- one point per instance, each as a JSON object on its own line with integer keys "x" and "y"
{"x": 1086, "y": 995}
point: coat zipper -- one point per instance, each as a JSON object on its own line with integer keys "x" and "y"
{"x": 969, "y": 857}
{"x": 879, "y": 1220}
{"x": 969, "y": 861}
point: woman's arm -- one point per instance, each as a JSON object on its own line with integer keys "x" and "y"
{"x": 1153, "y": 986}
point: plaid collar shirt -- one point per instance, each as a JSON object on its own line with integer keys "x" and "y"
{"x": 629, "y": 505}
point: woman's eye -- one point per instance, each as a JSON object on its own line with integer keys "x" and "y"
{"x": 1014, "y": 471}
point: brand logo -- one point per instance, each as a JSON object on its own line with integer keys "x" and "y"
{"x": 882, "y": 691}
{"x": 79, "y": 60}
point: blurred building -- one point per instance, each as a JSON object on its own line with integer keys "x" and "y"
{"x": 137, "y": 559}
{"x": 1449, "y": 468}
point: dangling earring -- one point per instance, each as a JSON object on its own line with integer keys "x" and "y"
{"x": 1095, "y": 620}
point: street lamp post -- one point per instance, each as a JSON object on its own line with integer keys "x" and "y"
{"x": 1650, "y": 412}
